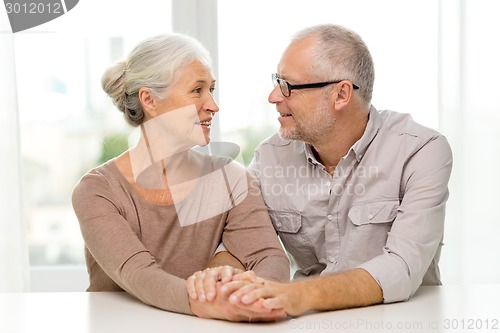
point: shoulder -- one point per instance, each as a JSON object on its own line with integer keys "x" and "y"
{"x": 277, "y": 148}
{"x": 403, "y": 124}
{"x": 98, "y": 181}
{"x": 401, "y": 133}
{"x": 275, "y": 141}
{"x": 100, "y": 174}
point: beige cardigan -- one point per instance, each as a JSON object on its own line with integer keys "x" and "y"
{"x": 136, "y": 246}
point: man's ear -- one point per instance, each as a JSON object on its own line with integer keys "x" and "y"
{"x": 148, "y": 101}
{"x": 344, "y": 93}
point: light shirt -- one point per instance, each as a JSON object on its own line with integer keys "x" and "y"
{"x": 383, "y": 209}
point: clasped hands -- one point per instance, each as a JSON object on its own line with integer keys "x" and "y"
{"x": 229, "y": 293}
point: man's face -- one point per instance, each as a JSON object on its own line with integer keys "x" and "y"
{"x": 306, "y": 114}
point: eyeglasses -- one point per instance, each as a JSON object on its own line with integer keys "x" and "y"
{"x": 286, "y": 88}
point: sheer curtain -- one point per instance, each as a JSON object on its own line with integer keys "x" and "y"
{"x": 470, "y": 118}
{"x": 14, "y": 272}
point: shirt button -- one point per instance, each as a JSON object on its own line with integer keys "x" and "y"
{"x": 328, "y": 183}
{"x": 370, "y": 216}
{"x": 278, "y": 224}
{"x": 329, "y": 217}
{"x": 331, "y": 259}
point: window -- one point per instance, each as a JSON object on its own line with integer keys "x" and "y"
{"x": 67, "y": 123}
{"x": 252, "y": 38}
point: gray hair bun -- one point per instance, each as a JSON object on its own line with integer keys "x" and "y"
{"x": 113, "y": 83}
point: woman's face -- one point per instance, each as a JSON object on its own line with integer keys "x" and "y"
{"x": 189, "y": 104}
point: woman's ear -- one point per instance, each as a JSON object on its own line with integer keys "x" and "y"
{"x": 148, "y": 101}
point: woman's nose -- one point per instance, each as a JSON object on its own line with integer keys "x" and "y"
{"x": 211, "y": 105}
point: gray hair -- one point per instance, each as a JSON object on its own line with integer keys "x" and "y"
{"x": 153, "y": 63}
{"x": 341, "y": 54}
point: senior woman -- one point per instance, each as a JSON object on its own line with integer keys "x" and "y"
{"x": 153, "y": 216}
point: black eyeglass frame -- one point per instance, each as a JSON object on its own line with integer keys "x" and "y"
{"x": 278, "y": 81}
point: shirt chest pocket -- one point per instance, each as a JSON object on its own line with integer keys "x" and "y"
{"x": 286, "y": 221}
{"x": 374, "y": 212}
{"x": 369, "y": 229}
{"x": 289, "y": 226}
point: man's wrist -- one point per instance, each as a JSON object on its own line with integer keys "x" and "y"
{"x": 305, "y": 296}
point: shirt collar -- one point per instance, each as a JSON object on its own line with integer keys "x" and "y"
{"x": 359, "y": 148}
{"x": 311, "y": 158}
{"x": 372, "y": 127}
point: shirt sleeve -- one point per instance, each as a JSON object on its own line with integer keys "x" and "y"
{"x": 249, "y": 234}
{"x": 418, "y": 229}
{"x": 119, "y": 252}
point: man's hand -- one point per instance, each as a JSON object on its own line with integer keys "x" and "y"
{"x": 349, "y": 289}
{"x": 221, "y": 308}
{"x": 272, "y": 296}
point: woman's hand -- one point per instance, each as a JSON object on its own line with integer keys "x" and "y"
{"x": 221, "y": 308}
{"x": 201, "y": 285}
{"x": 210, "y": 291}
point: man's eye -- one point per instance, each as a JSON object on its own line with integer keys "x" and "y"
{"x": 212, "y": 89}
{"x": 197, "y": 90}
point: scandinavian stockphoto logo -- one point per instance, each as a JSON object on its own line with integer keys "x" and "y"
{"x": 26, "y": 14}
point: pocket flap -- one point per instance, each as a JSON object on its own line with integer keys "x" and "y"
{"x": 374, "y": 212}
{"x": 286, "y": 221}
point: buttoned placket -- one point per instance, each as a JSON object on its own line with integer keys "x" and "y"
{"x": 332, "y": 224}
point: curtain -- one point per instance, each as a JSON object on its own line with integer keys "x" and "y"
{"x": 14, "y": 267}
{"x": 470, "y": 118}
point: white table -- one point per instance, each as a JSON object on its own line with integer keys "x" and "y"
{"x": 432, "y": 309}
